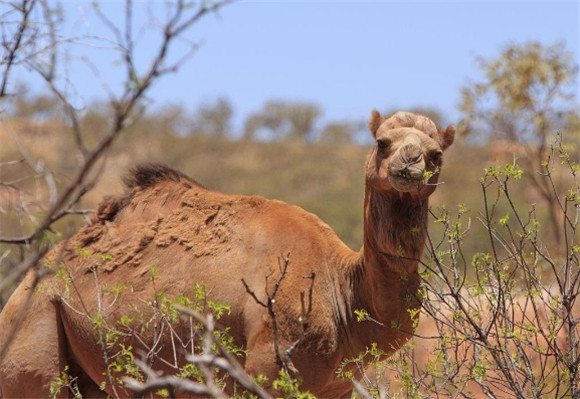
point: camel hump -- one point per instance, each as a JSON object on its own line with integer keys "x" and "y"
{"x": 141, "y": 177}
{"x": 150, "y": 174}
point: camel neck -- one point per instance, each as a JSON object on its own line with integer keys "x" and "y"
{"x": 382, "y": 279}
{"x": 395, "y": 226}
{"x": 387, "y": 278}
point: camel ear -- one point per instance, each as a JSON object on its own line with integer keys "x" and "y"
{"x": 447, "y": 136}
{"x": 375, "y": 121}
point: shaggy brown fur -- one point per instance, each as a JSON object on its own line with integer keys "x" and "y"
{"x": 192, "y": 235}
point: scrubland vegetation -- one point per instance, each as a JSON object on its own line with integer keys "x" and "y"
{"x": 501, "y": 269}
{"x": 500, "y": 294}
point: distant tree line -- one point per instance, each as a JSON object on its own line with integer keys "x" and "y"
{"x": 277, "y": 120}
{"x": 526, "y": 95}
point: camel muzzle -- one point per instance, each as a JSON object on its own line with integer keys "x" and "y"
{"x": 409, "y": 163}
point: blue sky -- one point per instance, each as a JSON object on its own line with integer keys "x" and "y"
{"x": 347, "y": 57}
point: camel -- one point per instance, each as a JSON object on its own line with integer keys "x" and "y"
{"x": 168, "y": 235}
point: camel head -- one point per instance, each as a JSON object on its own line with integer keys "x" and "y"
{"x": 407, "y": 154}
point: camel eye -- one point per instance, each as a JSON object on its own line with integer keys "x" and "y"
{"x": 436, "y": 157}
{"x": 382, "y": 144}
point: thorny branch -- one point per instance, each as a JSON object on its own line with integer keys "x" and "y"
{"x": 125, "y": 106}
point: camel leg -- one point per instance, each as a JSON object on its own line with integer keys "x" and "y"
{"x": 31, "y": 344}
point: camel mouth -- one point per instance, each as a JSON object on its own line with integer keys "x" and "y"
{"x": 405, "y": 184}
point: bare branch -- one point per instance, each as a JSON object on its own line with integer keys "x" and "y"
{"x": 224, "y": 361}
{"x": 13, "y": 45}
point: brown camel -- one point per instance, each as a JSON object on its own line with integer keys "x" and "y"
{"x": 168, "y": 233}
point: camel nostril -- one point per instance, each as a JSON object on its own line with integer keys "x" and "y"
{"x": 411, "y": 154}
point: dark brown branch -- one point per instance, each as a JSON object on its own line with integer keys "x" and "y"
{"x": 269, "y": 305}
{"x": 13, "y": 46}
